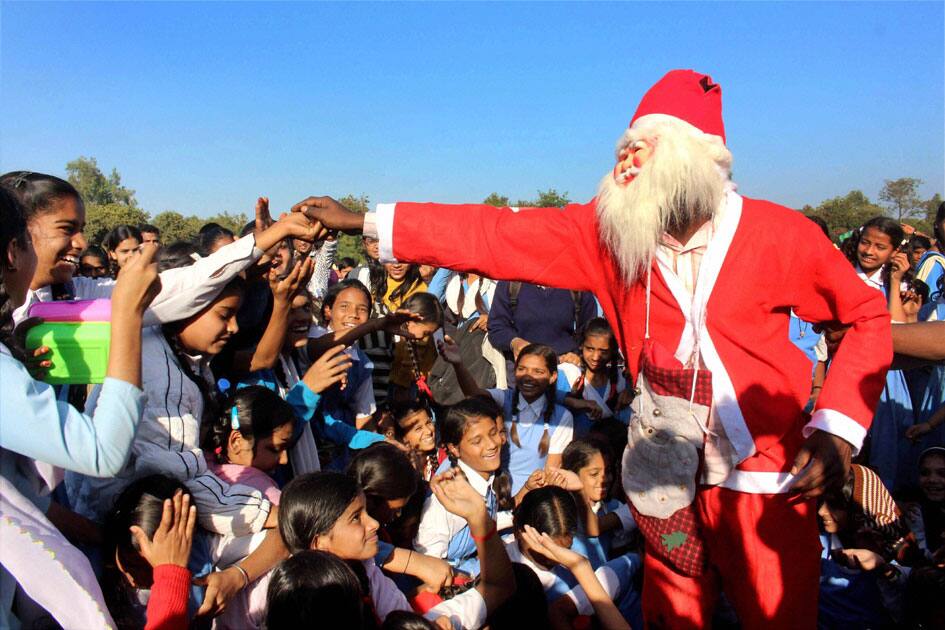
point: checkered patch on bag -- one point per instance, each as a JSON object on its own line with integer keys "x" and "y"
{"x": 676, "y": 540}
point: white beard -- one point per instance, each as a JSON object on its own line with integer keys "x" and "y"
{"x": 683, "y": 182}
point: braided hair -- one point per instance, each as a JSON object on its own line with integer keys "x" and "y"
{"x": 551, "y": 362}
{"x": 12, "y": 232}
{"x": 599, "y": 327}
{"x": 255, "y": 411}
{"x": 211, "y": 398}
{"x": 431, "y": 312}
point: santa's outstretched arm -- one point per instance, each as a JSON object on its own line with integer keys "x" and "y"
{"x": 548, "y": 246}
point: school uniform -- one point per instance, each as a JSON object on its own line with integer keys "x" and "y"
{"x": 442, "y": 534}
{"x": 525, "y": 459}
{"x": 616, "y": 576}
{"x": 851, "y": 598}
{"x": 185, "y": 291}
{"x": 891, "y": 455}
{"x": 36, "y": 427}
{"x": 573, "y": 380}
{"x": 168, "y": 443}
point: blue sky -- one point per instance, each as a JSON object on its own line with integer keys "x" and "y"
{"x": 202, "y": 107}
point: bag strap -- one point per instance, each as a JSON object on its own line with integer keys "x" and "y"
{"x": 576, "y": 298}
{"x": 514, "y": 289}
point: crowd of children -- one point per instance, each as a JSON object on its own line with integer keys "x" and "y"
{"x": 283, "y": 439}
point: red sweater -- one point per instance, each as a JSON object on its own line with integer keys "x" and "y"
{"x": 764, "y": 261}
{"x": 167, "y": 607}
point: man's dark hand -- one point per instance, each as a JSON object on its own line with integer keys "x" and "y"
{"x": 331, "y": 214}
{"x": 823, "y": 463}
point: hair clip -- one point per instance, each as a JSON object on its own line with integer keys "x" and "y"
{"x": 234, "y": 419}
{"x": 20, "y": 179}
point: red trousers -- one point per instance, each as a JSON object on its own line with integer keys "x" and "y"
{"x": 764, "y": 554}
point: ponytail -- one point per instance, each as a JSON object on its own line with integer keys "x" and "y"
{"x": 255, "y": 411}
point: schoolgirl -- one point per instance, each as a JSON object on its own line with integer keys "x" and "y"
{"x": 926, "y": 516}
{"x": 608, "y": 520}
{"x": 414, "y": 428}
{"x": 414, "y": 350}
{"x": 538, "y": 428}
{"x": 39, "y": 435}
{"x": 601, "y": 391}
{"x": 545, "y": 524}
{"x": 181, "y": 391}
{"x": 890, "y": 453}
{"x": 389, "y": 483}
{"x": 55, "y": 215}
{"x": 327, "y": 512}
{"x": 470, "y": 434}
{"x": 148, "y": 539}
{"x": 121, "y": 244}
{"x": 93, "y": 262}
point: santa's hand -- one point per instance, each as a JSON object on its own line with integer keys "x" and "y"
{"x": 331, "y": 214}
{"x": 822, "y": 464}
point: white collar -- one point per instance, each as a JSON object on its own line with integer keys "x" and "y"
{"x": 479, "y": 484}
{"x": 537, "y": 407}
{"x": 874, "y": 279}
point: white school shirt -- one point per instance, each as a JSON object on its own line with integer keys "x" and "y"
{"x": 466, "y": 611}
{"x": 364, "y": 403}
{"x": 437, "y": 525}
{"x": 185, "y": 291}
{"x": 561, "y": 434}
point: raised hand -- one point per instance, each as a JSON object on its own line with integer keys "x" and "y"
{"x": 330, "y": 368}
{"x": 563, "y": 479}
{"x": 138, "y": 281}
{"x": 458, "y": 497}
{"x": 331, "y": 214}
{"x": 287, "y": 288}
{"x": 449, "y": 350}
{"x": 394, "y": 323}
{"x": 174, "y": 536}
{"x": 263, "y": 218}
{"x": 899, "y": 266}
{"x": 543, "y": 544}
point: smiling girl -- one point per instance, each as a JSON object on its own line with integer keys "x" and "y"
{"x": 121, "y": 244}
{"x": 470, "y": 434}
{"x": 55, "y": 216}
{"x": 891, "y": 454}
{"x": 414, "y": 428}
{"x": 538, "y": 428}
{"x": 328, "y": 512}
{"x": 601, "y": 391}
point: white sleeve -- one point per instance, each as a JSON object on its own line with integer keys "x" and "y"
{"x": 820, "y": 350}
{"x": 324, "y": 259}
{"x": 384, "y": 593}
{"x": 186, "y": 291}
{"x": 562, "y": 435}
{"x": 466, "y": 611}
{"x": 433, "y": 534}
{"x": 364, "y": 403}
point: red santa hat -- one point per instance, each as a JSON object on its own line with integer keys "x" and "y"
{"x": 684, "y": 95}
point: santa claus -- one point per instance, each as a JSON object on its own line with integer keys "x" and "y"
{"x": 698, "y": 282}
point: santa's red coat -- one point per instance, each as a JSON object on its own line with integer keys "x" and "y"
{"x": 763, "y": 261}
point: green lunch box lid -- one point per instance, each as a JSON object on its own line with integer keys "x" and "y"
{"x": 78, "y": 350}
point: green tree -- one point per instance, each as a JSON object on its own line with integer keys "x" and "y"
{"x": 843, "y": 214}
{"x": 176, "y": 227}
{"x": 902, "y": 197}
{"x": 95, "y": 187}
{"x": 232, "y": 222}
{"x": 497, "y": 200}
{"x": 931, "y": 208}
{"x": 348, "y": 245}
{"x": 550, "y": 198}
{"x": 100, "y": 219}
